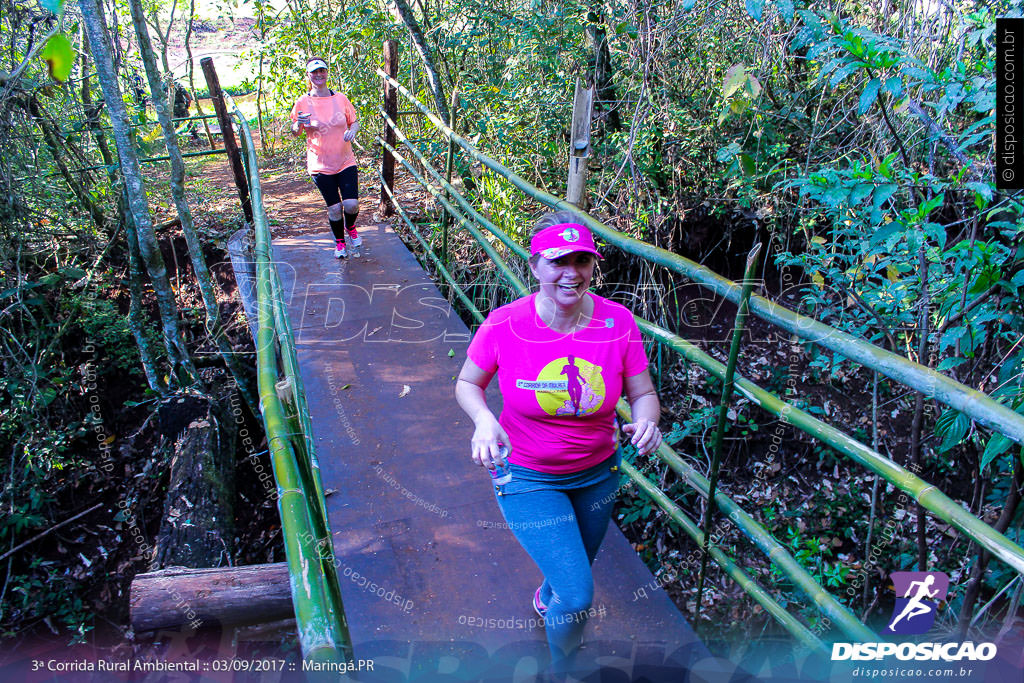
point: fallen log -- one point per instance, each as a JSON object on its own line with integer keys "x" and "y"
{"x": 202, "y": 598}
{"x": 172, "y": 223}
{"x": 198, "y": 522}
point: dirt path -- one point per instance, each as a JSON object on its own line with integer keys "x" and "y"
{"x": 291, "y": 201}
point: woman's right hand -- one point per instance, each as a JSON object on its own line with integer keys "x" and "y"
{"x": 486, "y": 437}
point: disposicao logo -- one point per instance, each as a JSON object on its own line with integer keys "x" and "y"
{"x": 918, "y": 595}
{"x": 570, "y": 235}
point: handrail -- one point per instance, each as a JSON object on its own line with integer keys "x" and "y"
{"x": 788, "y": 621}
{"x": 971, "y": 402}
{"x": 926, "y": 494}
{"x": 836, "y": 612}
{"x": 770, "y": 604}
{"x": 474, "y": 311}
{"x": 316, "y": 596}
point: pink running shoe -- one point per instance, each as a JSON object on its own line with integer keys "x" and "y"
{"x": 539, "y": 607}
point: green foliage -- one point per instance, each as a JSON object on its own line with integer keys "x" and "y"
{"x": 107, "y": 328}
{"x": 59, "y": 56}
{"x": 812, "y": 553}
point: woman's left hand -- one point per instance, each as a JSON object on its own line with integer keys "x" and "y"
{"x": 350, "y": 134}
{"x": 645, "y": 435}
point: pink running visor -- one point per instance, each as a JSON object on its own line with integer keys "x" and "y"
{"x": 564, "y": 238}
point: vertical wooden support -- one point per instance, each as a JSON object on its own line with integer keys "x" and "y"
{"x": 582, "y": 111}
{"x": 738, "y": 328}
{"x": 449, "y": 164}
{"x": 230, "y": 144}
{"x": 387, "y": 164}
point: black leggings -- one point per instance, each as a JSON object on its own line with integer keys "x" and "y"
{"x": 337, "y": 186}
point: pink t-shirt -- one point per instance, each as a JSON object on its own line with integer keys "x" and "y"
{"x": 559, "y": 390}
{"x": 326, "y": 150}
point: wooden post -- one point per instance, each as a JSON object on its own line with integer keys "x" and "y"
{"x": 582, "y": 111}
{"x": 387, "y": 164}
{"x": 448, "y": 166}
{"x": 230, "y": 144}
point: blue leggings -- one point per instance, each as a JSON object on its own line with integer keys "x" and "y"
{"x": 562, "y": 530}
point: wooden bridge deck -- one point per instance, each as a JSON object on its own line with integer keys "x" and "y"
{"x": 432, "y": 583}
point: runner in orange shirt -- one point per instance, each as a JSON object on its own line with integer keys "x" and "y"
{"x": 330, "y": 123}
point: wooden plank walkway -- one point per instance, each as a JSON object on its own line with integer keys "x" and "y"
{"x": 432, "y": 582}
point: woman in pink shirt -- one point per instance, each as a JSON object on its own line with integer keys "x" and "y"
{"x": 563, "y": 357}
{"x": 330, "y": 123}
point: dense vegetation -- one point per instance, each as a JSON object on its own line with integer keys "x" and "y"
{"x": 855, "y": 140}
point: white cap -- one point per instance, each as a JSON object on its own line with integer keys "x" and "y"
{"x": 314, "y": 64}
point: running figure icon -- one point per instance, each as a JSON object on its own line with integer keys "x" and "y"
{"x": 573, "y": 383}
{"x": 915, "y": 607}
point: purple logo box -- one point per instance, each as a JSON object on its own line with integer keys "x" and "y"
{"x": 918, "y": 595}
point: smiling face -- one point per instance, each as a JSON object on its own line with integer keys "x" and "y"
{"x": 566, "y": 279}
{"x": 318, "y": 78}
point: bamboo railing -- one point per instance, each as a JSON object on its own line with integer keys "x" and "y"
{"x": 316, "y": 596}
{"x": 973, "y": 403}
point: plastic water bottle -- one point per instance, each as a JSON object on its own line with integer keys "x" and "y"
{"x": 502, "y": 473}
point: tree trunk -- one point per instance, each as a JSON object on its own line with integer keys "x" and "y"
{"x": 602, "y": 65}
{"x": 917, "y": 425}
{"x": 92, "y": 111}
{"x": 433, "y": 79}
{"x": 198, "y": 522}
{"x": 137, "y": 322}
{"x": 228, "y": 134}
{"x": 191, "y": 75}
{"x": 387, "y": 164}
{"x": 214, "y": 324}
{"x": 181, "y": 362}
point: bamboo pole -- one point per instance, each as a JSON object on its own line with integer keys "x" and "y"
{"x": 286, "y": 338}
{"x": 579, "y": 145}
{"x": 723, "y": 410}
{"x": 475, "y": 215}
{"x": 973, "y": 403}
{"x": 751, "y": 587}
{"x": 937, "y": 502}
{"x": 148, "y": 160}
{"x": 473, "y": 310}
{"x": 484, "y": 243}
{"x": 772, "y": 548}
{"x": 448, "y": 167}
{"x": 319, "y": 611}
{"x": 760, "y": 537}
